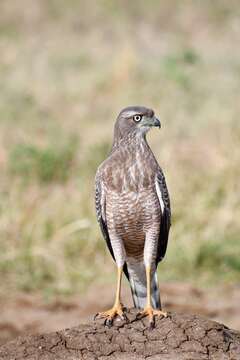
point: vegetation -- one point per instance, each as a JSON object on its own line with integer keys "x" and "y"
{"x": 46, "y": 165}
{"x": 66, "y": 69}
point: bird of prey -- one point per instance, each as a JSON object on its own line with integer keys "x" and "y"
{"x": 133, "y": 210}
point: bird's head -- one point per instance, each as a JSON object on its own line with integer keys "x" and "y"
{"x": 134, "y": 120}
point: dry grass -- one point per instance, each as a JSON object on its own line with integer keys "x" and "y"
{"x": 66, "y": 69}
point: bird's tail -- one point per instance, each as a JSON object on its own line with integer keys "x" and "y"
{"x": 138, "y": 284}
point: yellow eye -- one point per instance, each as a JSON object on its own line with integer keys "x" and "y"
{"x": 137, "y": 118}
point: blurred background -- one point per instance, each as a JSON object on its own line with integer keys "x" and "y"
{"x": 66, "y": 69}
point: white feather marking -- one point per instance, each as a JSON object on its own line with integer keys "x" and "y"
{"x": 159, "y": 194}
{"x": 130, "y": 113}
{"x": 132, "y": 173}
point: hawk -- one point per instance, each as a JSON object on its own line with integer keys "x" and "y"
{"x": 133, "y": 210}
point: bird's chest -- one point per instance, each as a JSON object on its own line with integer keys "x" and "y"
{"x": 132, "y": 174}
{"x": 132, "y": 212}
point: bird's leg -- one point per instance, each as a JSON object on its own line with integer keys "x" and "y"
{"x": 149, "y": 310}
{"x": 117, "y": 308}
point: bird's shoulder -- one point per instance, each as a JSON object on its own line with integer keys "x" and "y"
{"x": 117, "y": 160}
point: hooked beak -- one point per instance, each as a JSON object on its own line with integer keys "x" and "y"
{"x": 157, "y": 122}
{"x": 150, "y": 122}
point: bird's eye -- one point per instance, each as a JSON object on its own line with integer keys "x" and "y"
{"x": 137, "y": 118}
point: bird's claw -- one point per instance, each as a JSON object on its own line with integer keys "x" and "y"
{"x": 108, "y": 322}
{"x": 140, "y": 315}
{"x": 151, "y": 324}
{"x": 151, "y": 313}
{"x": 109, "y": 315}
{"x": 123, "y": 317}
{"x": 95, "y": 316}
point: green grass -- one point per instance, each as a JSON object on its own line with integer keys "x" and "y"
{"x": 50, "y": 164}
{"x": 66, "y": 70}
{"x": 219, "y": 258}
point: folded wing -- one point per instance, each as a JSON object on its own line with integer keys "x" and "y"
{"x": 100, "y": 204}
{"x": 164, "y": 200}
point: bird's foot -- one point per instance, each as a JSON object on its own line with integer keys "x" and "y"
{"x": 152, "y": 313}
{"x": 110, "y": 315}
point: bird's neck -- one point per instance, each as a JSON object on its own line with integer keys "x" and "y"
{"x": 135, "y": 164}
{"x": 133, "y": 140}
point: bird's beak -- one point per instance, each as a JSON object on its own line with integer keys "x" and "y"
{"x": 156, "y": 122}
{"x": 150, "y": 122}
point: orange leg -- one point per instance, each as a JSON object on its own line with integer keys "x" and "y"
{"x": 117, "y": 309}
{"x": 149, "y": 310}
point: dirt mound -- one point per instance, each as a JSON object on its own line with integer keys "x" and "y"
{"x": 179, "y": 336}
{"x": 24, "y": 314}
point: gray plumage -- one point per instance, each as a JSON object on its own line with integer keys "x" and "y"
{"x": 132, "y": 202}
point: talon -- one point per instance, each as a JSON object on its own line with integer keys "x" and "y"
{"x": 95, "y": 316}
{"x": 151, "y": 325}
{"x": 111, "y": 314}
{"x": 152, "y": 313}
{"x": 123, "y": 317}
{"x": 139, "y": 316}
{"x": 162, "y": 313}
{"x": 108, "y": 322}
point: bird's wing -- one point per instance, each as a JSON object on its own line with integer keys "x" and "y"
{"x": 100, "y": 204}
{"x": 164, "y": 200}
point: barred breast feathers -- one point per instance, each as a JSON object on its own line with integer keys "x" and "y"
{"x": 129, "y": 168}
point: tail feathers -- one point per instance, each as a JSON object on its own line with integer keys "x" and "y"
{"x": 138, "y": 284}
{"x": 155, "y": 292}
